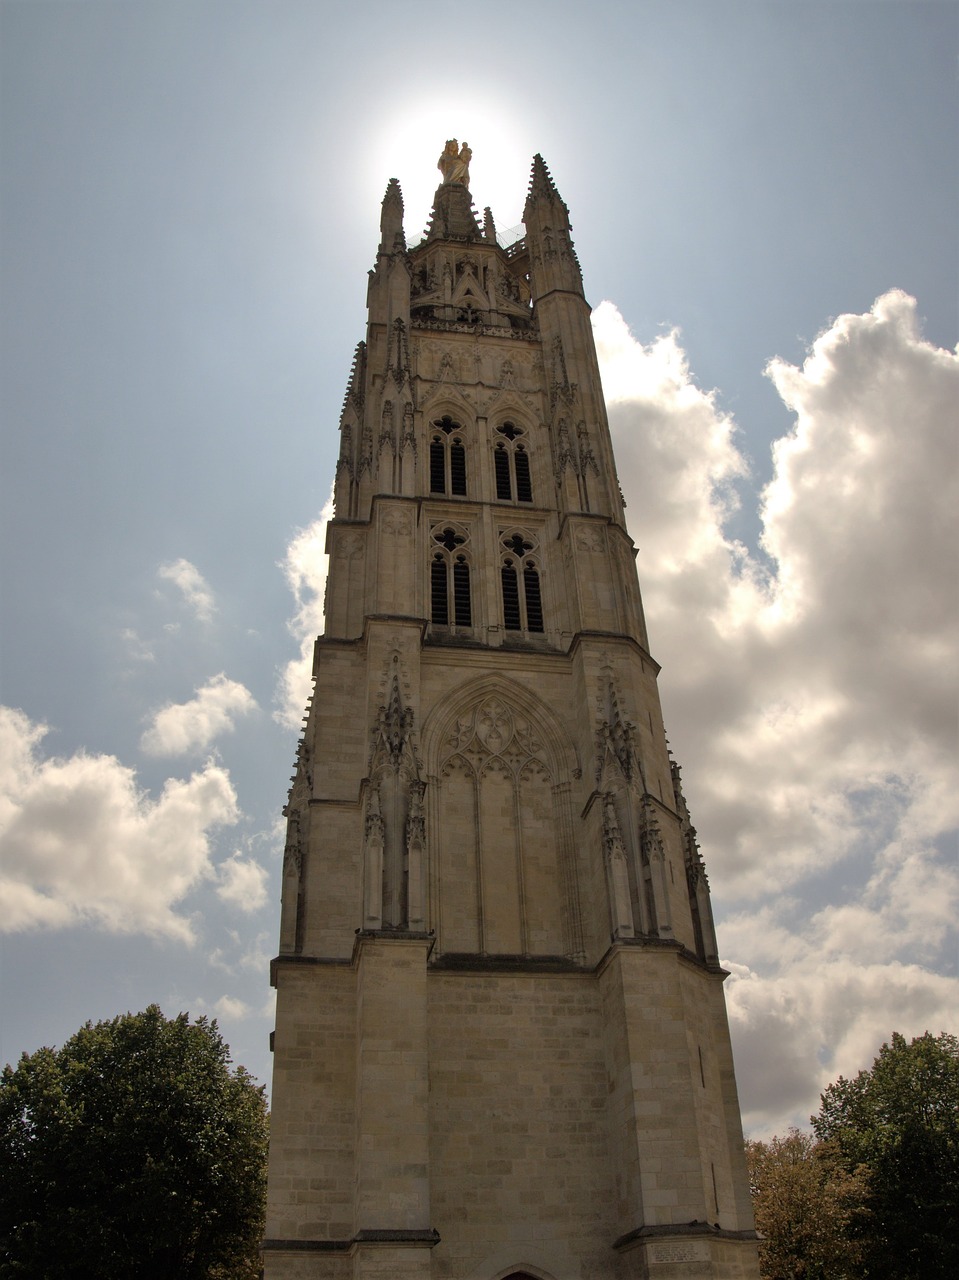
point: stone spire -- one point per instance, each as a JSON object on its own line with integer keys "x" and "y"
{"x": 392, "y": 236}
{"x": 552, "y": 256}
{"x": 541, "y": 185}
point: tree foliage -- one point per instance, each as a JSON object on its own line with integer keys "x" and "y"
{"x": 135, "y": 1150}
{"x": 901, "y": 1121}
{"x": 807, "y": 1206}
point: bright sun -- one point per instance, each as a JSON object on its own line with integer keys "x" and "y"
{"x": 410, "y": 144}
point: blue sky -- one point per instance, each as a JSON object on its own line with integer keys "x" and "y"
{"x": 190, "y": 202}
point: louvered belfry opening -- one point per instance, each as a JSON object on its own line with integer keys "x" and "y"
{"x": 511, "y": 615}
{"x": 447, "y": 458}
{"x": 534, "y": 606}
{"x": 439, "y": 606}
{"x": 463, "y": 613}
{"x": 501, "y": 462}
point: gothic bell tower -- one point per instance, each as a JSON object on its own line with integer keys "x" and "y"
{"x": 501, "y": 1046}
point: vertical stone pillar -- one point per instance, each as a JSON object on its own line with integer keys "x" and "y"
{"x": 392, "y": 1234}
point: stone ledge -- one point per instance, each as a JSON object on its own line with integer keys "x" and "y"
{"x": 429, "y": 1236}
{"x": 467, "y": 962}
{"x": 389, "y": 1235}
{"x": 681, "y": 1230}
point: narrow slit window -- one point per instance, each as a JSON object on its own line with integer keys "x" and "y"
{"x": 437, "y": 467}
{"x": 458, "y": 469}
{"x": 439, "y": 608}
{"x": 511, "y": 617}
{"x": 524, "y": 486}
{"x": 534, "y": 605}
{"x": 504, "y": 491}
{"x": 461, "y": 592}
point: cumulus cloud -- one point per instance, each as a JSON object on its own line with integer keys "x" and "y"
{"x": 81, "y": 842}
{"x": 185, "y": 727}
{"x": 193, "y": 586}
{"x": 304, "y": 566}
{"x": 810, "y": 692}
{"x": 242, "y": 883}
{"x": 231, "y": 1009}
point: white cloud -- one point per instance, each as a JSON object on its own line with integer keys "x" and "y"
{"x": 137, "y": 648}
{"x": 810, "y": 697}
{"x": 305, "y": 568}
{"x": 194, "y": 587}
{"x": 185, "y": 727}
{"x": 242, "y": 883}
{"x": 81, "y": 842}
{"x": 243, "y": 954}
{"x": 231, "y": 1009}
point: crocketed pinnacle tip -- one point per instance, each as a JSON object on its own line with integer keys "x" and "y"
{"x": 393, "y": 193}
{"x": 541, "y": 185}
{"x": 392, "y": 237}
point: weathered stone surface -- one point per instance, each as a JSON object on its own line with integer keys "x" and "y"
{"x": 501, "y": 1041}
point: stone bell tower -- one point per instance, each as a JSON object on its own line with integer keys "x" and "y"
{"x": 501, "y": 1046}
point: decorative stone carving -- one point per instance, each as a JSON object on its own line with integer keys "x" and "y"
{"x": 564, "y": 451}
{"x": 591, "y": 541}
{"x": 345, "y": 460}
{"x": 408, "y": 438}
{"x": 374, "y": 839}
{"x": 617, "y": 872}
{"x": 398, "y": 354}
{"x": 387, "y": 430}
{"x": 493, "y": 730}
{"x": 586, "y": 458}
{"x": 391, "y": 736}
{"x": 366, "y": 451}
{"x": 561, "y": 388}
{"x": 615, "y": 737}
{"x": 653, "y": 854}
{"x": 293, "y": 851}
{"x": 350, "y": 547}
{"x": 398, "y": 524}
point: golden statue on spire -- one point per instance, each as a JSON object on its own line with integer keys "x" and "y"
{"x": 454, "y": 162}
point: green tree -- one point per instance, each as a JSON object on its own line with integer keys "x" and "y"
{"x": 901, "y": 1121}
{"x": 806, "y": 1205}
{"x": 133, "y": 1151}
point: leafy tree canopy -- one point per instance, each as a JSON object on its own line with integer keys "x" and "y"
{"x": 806, "y": 1205}
{"x": 133, "y": 1151}
{"x": 900, "y": 1120}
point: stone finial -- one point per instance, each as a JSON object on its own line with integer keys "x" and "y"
{"x": 392, "y": 236}
{"x": 541, "y": 185}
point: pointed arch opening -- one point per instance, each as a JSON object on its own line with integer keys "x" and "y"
{"x": 447, "y": 458}
{"x": 511, "y": 464}
{"x": 520, "y": 582}
{"x": 451, "y": 603}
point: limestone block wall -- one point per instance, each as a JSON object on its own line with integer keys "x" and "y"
{"x": 519, "y": 1159}
{"x": 313, "y": 1121}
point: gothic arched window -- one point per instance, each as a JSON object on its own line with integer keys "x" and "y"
{"x": 511, "y": 465}
{"x": 447, "y": 458}
{"x": 519, "y": 579}
{"x": 450, "y": 600}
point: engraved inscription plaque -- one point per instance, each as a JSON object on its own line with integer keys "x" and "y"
{"x": 678, "y": 1251}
